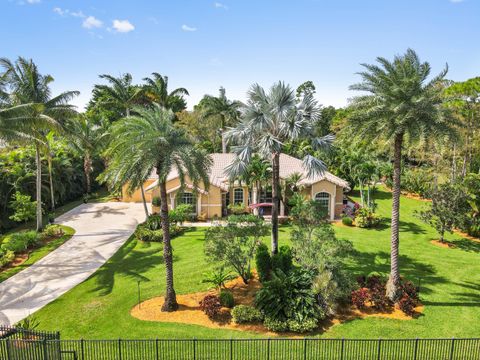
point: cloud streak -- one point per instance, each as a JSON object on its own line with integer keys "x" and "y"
{"x": 92, "y": 22}
{"x": 220, "y": 5}
{"x": 188, "y": 28}
{"x": 122, "y": 26}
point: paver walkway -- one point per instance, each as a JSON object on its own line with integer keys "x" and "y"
{"x": 101, "y": 229}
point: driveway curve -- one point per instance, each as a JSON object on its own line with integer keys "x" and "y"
{"x": 100, "y": 230}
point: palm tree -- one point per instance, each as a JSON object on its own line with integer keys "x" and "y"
{"x": 228, "y": 112}
{"x": 268, "y": 121}
{"x": 156, "y": 90}
{"x": 30, "y": 87}
{"x": 159, "y": 145}
{"x": 255, "y": 176}
{"x": 400, "y": 104}
{"x": 120, "y": 92}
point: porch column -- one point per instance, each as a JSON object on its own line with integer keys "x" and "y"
{"x": 333, "y": 201}
{"x": 199, "y": 204}
{"x": 255, "y": 199}
{"x": 172, "y": 201}
{"x": 282, "y": 208}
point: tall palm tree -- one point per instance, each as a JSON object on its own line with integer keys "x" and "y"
{"x": 28, "y": 86}
{"x": 401, "y": 104}
{"x": 268, "y": 121}
{"x": 255, "y": 176}
{"x": 156, "y": 90}
{"x": 159, "y": 145}
{"x": 119, "y": 92}
{"x": 228, "y": 112}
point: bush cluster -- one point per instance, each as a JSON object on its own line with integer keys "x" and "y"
{"x": 53, "y": 231}
{"x": 244, "y": 314}
{"x": 347, "y": 220}
{"x": 211, "y": 305}
{"x": 226, "y": 299}
{"x": 266, "y": 263}
{"x": 149, "y": 232}
{"x": 366, "y": 218}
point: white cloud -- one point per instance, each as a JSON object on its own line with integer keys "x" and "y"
{"x": 58, "y": 11}
{"x": 33, "y": 1}
{"x": 219, "y": 5}
{"x": 456, "y": 1}
{"x": 92, "y": 22}
{"x": 78, "y": 14}
{"x": 123, "y": 26}
{"x": 188, "y": 28}
{"x": 66, "y": 12}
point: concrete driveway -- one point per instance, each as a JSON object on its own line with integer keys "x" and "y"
{"x": 101, "y": 229}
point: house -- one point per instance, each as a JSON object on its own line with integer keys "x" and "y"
{"x": 327, "y": 189}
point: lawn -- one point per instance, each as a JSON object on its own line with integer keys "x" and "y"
{"x": 449, "y": 279}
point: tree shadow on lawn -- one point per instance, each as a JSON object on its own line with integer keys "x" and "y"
{"x": 467, "y": 245}
{"x": 421, "y": 274}
{"x": 404, "y": 226}
{"x": 126, "y": 262}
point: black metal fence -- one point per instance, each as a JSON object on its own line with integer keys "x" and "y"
{"x": 14, "y": 332}
{"x": 241, "y": 349}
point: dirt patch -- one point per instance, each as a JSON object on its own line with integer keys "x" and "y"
{"x": 444, "y": 244}
{"x": 189, "y": 311}
{"x": 339, "y": 223}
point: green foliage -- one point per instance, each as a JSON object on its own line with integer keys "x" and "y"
{"x": 154, "y": 222}
{"x": 347, "y": 221}
{"x": 447, "y": 209}
{"x": 180, "y": 214}
{"x": 283, "y": 260}
{"x": 275, "y": 325}
{"x": 244, "y": 314}
{"x": 366, "y": 218}
{"x": 53, "y": 231}
{"x": 226, "y": 298}
{"x": 23, "y": 206}
{"x": 237, "y": 209}
{"x": 145, "y": 233}
{"x": 211, "y": 305}
{"x": 156, "y": 201}
{"x": 20, "y": 241}
{"x": 263, "y": 262}
{"x": 234, "y": 245}
{"x": 306, "y": 325}
{"x": 471, "y": 220}
{"x": 6, "y": 257}
{"x": 418, "y": 181}
{"x": 29, "y": 323}
{"x": 217, "y": 277}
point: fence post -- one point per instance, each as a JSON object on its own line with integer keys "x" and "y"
{"x": 156, "y": 349}
{"x": 45, "y": 353}
{"x": 194, "y": 349}
{"x": 416, "y": 349}
{"x": 268, "y": 349}
{"x": 379, "y": 346}
{"x": 343, "y": 349}
{"x": 231, "y": 349}
{"x": 120, "y": 349}
{"x": 8, "y": 349}
{"x": 452, "y": 349}
{"x": 305, "y": 349}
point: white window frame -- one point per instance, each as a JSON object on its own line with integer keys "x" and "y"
{"x": 324, "y": 196}
{"x": 235, "y": 192}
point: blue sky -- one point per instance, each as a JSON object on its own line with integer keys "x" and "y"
{"x": 202, "y": 44}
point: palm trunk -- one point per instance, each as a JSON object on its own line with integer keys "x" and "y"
{"x": 255, "y": 197}
{"x": 393, "y": 284}
{"x": 38, "y": 163}
{"x": 454, "y": 163}
{"x": 50, "y": 178}
{"x": 170, "y": 303}
{"x": 87, "y": 168}
{"x": 275, "y": 200}
{"x": 224, "y": 142}
{"x": 144, "y": 202}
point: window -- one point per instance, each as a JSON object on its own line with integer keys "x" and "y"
{"x": 188, "y": 198}
{"x": 266, "y": 196}
{"x": 238, "y": 196}
{"x": 323, "y": 199}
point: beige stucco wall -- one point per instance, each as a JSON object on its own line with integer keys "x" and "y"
{"x": 137, "y": 194}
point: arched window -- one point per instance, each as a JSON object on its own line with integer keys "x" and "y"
{"x": 238, "y": 196}
{"x": 323, "y": 199}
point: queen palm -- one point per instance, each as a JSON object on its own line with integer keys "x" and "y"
{"x": 400, "y": 104}
{"x": 161, "y": 147}
{"x": 227, "y": 110}
{"x": 156, "y": 90}
{"x": 29, "y": 87}
{"x": 268, "y": 121}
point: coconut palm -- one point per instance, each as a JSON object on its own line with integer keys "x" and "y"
{"x": 156, "y": 90}
{"x": 29, "y": 87}
{"x": 400, "y": 104}
{"x": 228, "y": 112}
{"x": 120, "y": 92}
{"x": 157, "y": 145}
{"x": 268, "y": 121}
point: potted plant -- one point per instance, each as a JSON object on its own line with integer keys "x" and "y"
{"x": 156, "y": 204}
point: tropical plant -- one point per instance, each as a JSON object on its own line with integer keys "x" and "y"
{"x": 244, "y": 314}
{"x": 156, "y": 91}
{"x": 255, "y": 177}
{"x": 226, "y": 110}
{"x": 23, "y": 206}
{"x": 146, "y": 142}
{"x": 263, "y": 262}
{"x": 400, "y": 104}
{"x": 218, "y": 278}
{"x": 226, "y": 298}
{"x": 268, "y": 121}
{"x": 211, "y": 305}
{"x": 181, "y": 213}
{"x": 235, "y": 243}
{"x": 366, "y": 218}
{"x": 48, "y": 113}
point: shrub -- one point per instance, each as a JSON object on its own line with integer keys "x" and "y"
{"x": 20, "y": 241}
{"x": 6, "y": 257}
{"x": 283, "y": 259}
{"x": 366, "y": 218}
{"x": 263, "y": 262}
{"x": 419, "y": 181}
{"x": 154, "y": 222}
{"x": 347, "y": 220}
{"x": 226, "y": 299}
{"x": 180, "y": 214}
{"x": 407, "y": 304}
{"x": 211, "y": 305}
{"x": 156, "y": 201}
{"x": 411, "y": 290}
{"x": 237, "y": 209}
{"x": 243, "y": 314}
{"x": 377, "y": 285}
{"x": 306, "y": 325}
{"x": 24, "y": 208}
{"x": 144, "y": 233}
{"x": 217, "y": 277}
{"x": 53, "y": 231}
{"x": 360, "y": 298}
{"x": 276, "y": 325}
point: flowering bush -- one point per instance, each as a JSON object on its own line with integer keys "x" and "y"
{"x": 366, "y": 218}
{"x": 211, "y": 305}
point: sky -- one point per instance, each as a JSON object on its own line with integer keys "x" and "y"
{"x": 203, "y": 44}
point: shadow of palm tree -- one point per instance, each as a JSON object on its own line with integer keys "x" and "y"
{"x": 467, "y": 245}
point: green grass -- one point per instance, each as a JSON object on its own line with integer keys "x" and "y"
{"x": 450, "y": 278}
{"x": 38, "y": 254}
